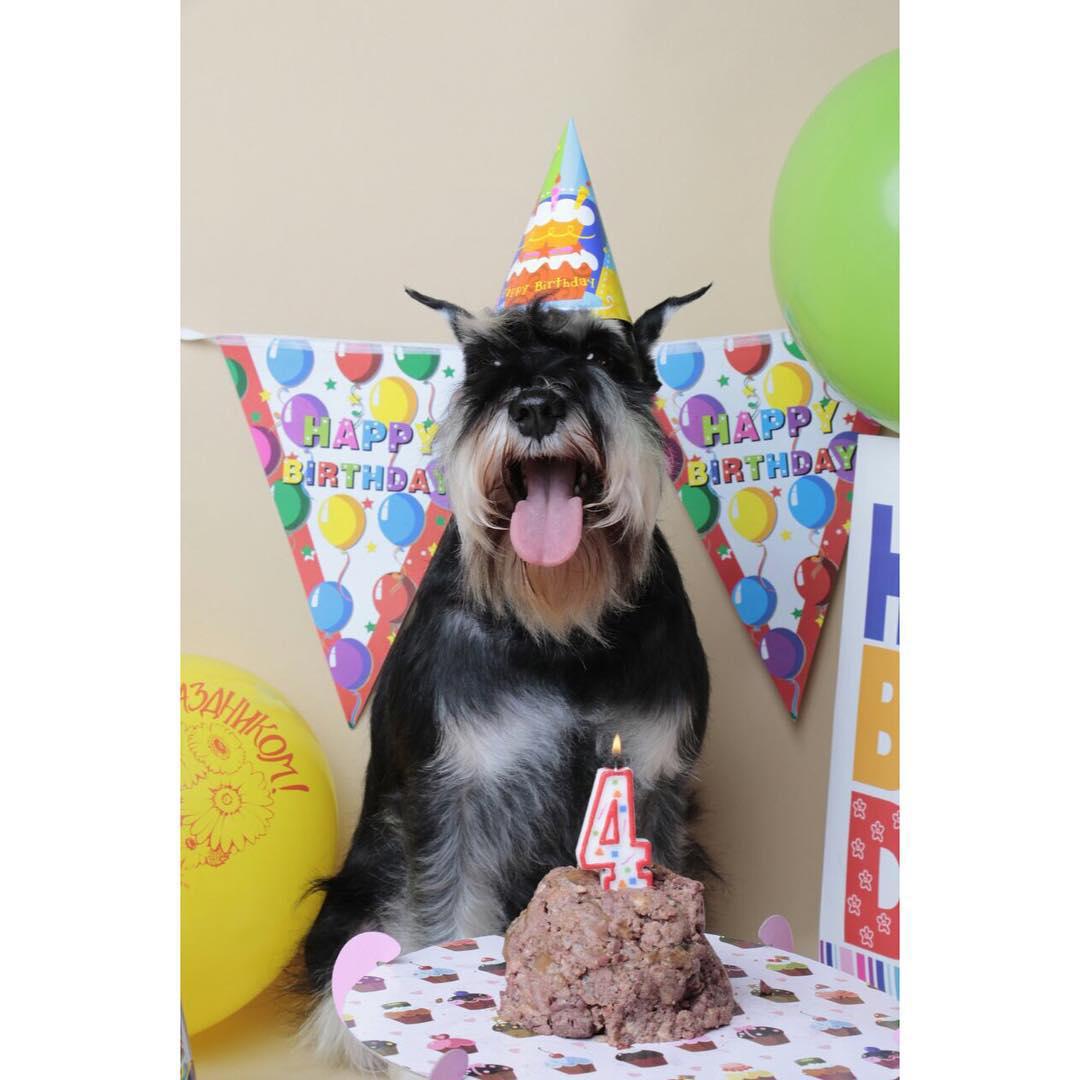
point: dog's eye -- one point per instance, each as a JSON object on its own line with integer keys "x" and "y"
{"x": 601, "y": 359}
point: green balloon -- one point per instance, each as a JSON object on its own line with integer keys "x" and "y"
{"x": 419, "y": 366}
{"x": 239, "y": 376}
{"x": 835, "y": 239}
{"x": 702, "y": 505}
{"x": 293, "y": 504}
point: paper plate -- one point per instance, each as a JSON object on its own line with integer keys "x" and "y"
{"x": 818, "y": 1022}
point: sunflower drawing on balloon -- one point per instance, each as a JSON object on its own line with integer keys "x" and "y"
{"x": 228, "y": 811}
{"x": 226, "y": 806}
{"x": 214, "y": 747}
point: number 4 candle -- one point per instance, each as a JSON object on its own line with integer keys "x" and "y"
{"x": 607, "y": 842}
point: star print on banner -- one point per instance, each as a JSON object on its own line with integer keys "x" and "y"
{"x": 764, "y": 463}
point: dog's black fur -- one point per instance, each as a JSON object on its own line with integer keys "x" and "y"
{"x": 488, "y": 723}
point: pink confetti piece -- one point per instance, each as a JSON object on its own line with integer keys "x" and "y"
{"x": 359, "y": 956}
{"x": 452, "y": 1066}
{"x": 776, "y": 932}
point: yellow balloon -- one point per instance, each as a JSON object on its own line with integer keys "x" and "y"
{"x": 342, "y": 521}
{"x": 258, "y": 823}
{"x": 787, "y": 384}
{"x": 753, "y": 513}
{"x": 393, "y": 400}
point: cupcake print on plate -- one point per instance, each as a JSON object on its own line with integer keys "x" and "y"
{"x": 436, "y": 974}
{"x": 468, "y": 1000}
{"x": 763, "y": 1036}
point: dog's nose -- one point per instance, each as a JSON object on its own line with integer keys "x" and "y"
{"x": 536, "y": 412}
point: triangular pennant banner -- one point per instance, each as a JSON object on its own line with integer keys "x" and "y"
{"x": 343, "y": 431}
{"x": 762, "y": 452}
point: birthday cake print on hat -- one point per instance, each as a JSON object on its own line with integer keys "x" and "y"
{"x": 564, "y": 257}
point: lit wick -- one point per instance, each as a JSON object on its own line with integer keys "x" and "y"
{"x": 616, "y": 751}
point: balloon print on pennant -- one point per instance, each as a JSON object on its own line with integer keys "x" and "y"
{"x": 293, "y": 504}
{"x": 357, "y": 362}
{"x": 290, "y": 360}
{"x": 418, "y": 364}
{"x": 680, "y": 366}
{"x": 267, "y": 447}
{"x": 787, "y": 385}
{"x": 811, "y": 501}
{"x": 401, "y": 518}
{"x": 815, "y": 577}
{"x": 392, "y": 595}
{"x": 752, "y": 512}
{"x": 238, "y": 376}
{"x": 702, "y": 505}
{"x": 748, "y": 354}
{"x": 300, "y": 411}
{"x": 784, "y": 653}
{"x": 696, "y": 418}
{"x": 755, "y": 600}
{"x": 331, "y": 606}
{"x": 350, "y": 663}
{"x": 393, "y": 400}
{"x": 342, "y": 521}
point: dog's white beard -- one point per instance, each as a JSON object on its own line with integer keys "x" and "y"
{"x": 616, "y": 544}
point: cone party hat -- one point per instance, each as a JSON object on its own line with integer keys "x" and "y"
{"x": 564, "y": 255}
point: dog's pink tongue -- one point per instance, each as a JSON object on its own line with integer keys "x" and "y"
{"x": 546, "y": 525}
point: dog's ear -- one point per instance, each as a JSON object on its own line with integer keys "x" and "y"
{"x": 649, "y": 327}
{"x": 458, "y": 318}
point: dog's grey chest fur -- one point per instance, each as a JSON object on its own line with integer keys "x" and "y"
{"x": 498, "y": 787}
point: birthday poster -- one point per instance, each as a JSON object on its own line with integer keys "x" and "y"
{"x": 763, "y": 453}
{"x": 860, "y": 901}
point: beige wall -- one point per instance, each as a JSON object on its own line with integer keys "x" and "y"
{"x": 336, "y": 149}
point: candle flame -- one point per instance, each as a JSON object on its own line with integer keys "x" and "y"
{"x": 616, "y": 746}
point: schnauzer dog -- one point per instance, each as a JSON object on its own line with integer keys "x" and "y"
{"x": 552, "y": 617}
